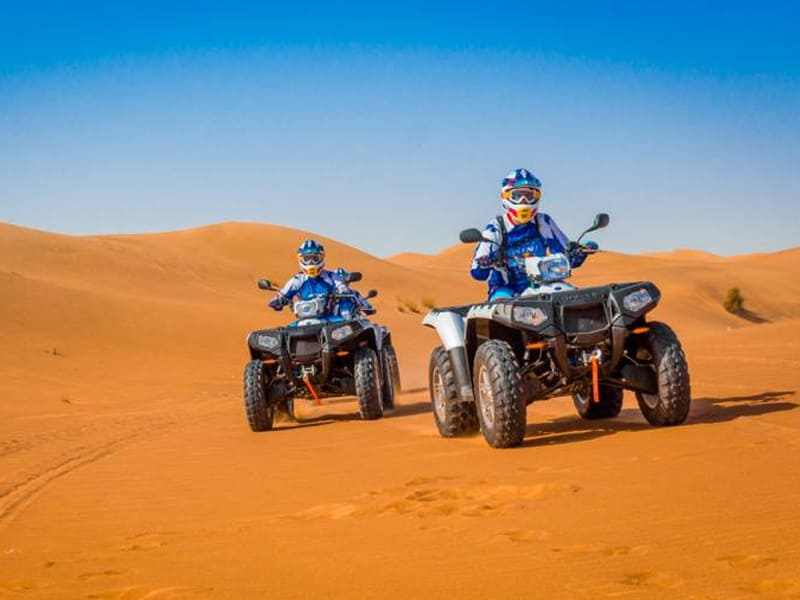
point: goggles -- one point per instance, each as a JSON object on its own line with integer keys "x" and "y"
{"x": 311, "y": 260}
{"x": 525, "y": 195}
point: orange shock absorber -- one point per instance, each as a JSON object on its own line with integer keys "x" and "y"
{"x": 311, "y": 389}
{"x": 595, "y": 380}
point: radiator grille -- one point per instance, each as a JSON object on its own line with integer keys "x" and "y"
{"x": 304, "y": 348}
{"x": 584, "y": 319}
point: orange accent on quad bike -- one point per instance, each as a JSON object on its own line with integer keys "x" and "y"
{"x": 343, "y": 353}
{"x": 270, "y": 361}
{"x": 640, "y": 330}
{"x": 536, "y": 345}
{"x": 312, "y": 390}
{"x": 595, "y": 381}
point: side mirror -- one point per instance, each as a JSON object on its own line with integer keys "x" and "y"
{"x": 264, "y": 284}
{"x": 470, "y": 236}
{"x": 372, "y": 294}
{"x": 353, "y": 276}
{"x": 601, "y": 220}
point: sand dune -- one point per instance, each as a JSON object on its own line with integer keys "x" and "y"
{"x": 128, "y": 470}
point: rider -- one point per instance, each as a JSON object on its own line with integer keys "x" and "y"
{"x": 354, "y": 302}
{"x": 313, "y": 280}
{"x": 519, "y": 232}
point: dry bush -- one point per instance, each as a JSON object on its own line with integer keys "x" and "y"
{"x": 407, "y": 306}
{"x": 412, "y": 306}
{"x": 734, "y": 301}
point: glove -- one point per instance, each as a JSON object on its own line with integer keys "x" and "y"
{"x": 276, "y": 303}
{"x": 585, "y": 248}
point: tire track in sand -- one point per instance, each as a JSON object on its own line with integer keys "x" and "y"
{"x": 17, "y": 497}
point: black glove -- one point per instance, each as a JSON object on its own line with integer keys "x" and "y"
{"x": 277, "y": 303}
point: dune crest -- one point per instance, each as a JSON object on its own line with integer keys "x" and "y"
{"x": 128, "y": 470}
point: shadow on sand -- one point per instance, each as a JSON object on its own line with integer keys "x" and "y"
{"x": 571, "y": 429}
{"x": 749, "y": 315}
{"x": 565, "y": 430}
{"x": 402, "y": 410}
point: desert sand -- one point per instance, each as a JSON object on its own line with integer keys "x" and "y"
{"x": 127, "y": 469}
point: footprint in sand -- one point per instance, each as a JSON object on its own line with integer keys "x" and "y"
{"x": 141, "y": 592}
{"x": 655, "y": 579}
{"x": 747, "y": 561}
{"x": 522, "y": 536}
{"x": 789, "y": 588}
{"x": 97, "y": 574}
{"x": 605, "y": 549}
{"x": 428, "y": 480}
{"x": 144, "y": 542}
{"x": 470, "y": 502}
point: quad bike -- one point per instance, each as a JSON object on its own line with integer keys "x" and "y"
{"x": 330, "y": 350}
{"x": 554, "y": 340}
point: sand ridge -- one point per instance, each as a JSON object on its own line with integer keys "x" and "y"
{"x": 127, "y": 469}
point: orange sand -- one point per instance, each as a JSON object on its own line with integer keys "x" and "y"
{"x": 127, "y": 469}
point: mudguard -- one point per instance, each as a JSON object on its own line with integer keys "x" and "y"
{"x": 449, "y": 323}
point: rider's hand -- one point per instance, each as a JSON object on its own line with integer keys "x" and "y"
{"x": 590, "y": 247}
{"x": 585, "y": 248}
{"x": 276, "y": 303}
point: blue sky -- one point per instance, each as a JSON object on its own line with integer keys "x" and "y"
{"x": 389, "y": 128}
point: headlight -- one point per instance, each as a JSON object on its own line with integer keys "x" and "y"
{"x": 341, "y": 332}
{"x": 267, "y": 342}
{"x": 529, "y": 315}
{"x": 636, "y": 301}
{"x": 554, "y": 268}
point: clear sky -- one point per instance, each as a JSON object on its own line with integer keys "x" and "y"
{"x": 390, "y": 127}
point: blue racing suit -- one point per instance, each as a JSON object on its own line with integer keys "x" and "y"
{"x": 502, "y": 261}
{"x": 353, "y": 303}
{"x": 308, "y": 288}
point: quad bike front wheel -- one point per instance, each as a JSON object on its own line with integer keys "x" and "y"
{"x": 260, "y": 416}
{"x": 368, "y": 383}
{"x": 609, "y": 405}
{"x": 661, "y": 349}
{"x": 453, "y": 418}
{"x": 500, "y": 406}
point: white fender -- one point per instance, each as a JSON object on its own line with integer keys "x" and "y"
{"x": 449, "y": 325}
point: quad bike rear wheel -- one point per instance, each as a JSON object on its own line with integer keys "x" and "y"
{"x": 661, "y": 348}
{"x": 393, "y": 367}
{"x": 500, "y": 405}
{"x": 368, "y": 383}
{"x": 453, "y": 418}
{"x": 391, "y": 377}
{"x": 260, "y": 416}
{"x": 609, "y": 406}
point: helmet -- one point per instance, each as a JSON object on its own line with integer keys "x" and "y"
{"x": 520, "y": 195}
{"x": 311, "y": 255}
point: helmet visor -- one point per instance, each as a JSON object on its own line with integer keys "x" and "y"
{"x": 525, "y": 195}
{"x": 313, "y": 259}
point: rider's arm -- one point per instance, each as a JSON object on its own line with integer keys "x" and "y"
{"x": 289, "y": 290}
{"x": 485, "y": 253}
{"x": 557, "y": 241}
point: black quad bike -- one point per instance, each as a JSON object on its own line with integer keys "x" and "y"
{"x": 554, "y": 340}
{"x": 325, "y": 352}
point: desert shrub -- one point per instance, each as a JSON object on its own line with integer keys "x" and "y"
{"x": 407, "y": 306}
{"x": 734, "y": 301}
{"x": 412, "y": 306}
